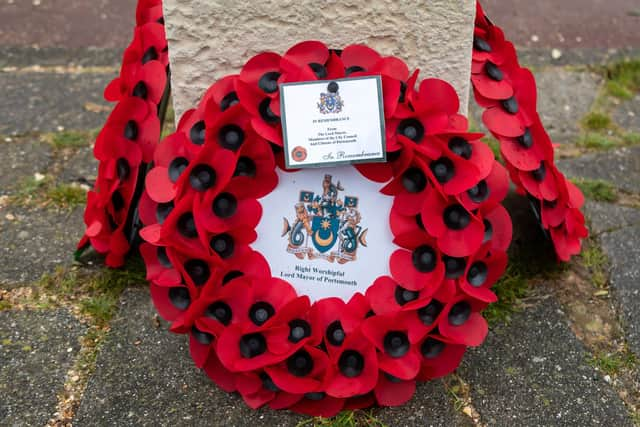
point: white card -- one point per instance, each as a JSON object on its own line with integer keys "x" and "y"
{"x": 326, "y": 231}
{"x": 332, "y": 122}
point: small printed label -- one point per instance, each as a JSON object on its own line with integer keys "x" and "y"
{"x": 333, "y": 122}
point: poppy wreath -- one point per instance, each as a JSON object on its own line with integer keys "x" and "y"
{"x": 251, "y": 332}
{"x": 125, "y": 145}
{"x": 507, "y": 92}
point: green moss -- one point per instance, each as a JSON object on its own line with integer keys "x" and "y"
{"x": 101, "y": 307}
{"x": 45, "y": 192}
{"x": 511, "y": 287}
{"x": 594, "y": 259}
{"x": 357, "y": 418}
{"x": 596, "y": 121}
{"x": 30, "y": 186}
{"x": 65, "y": 195}
{"x": 631, "y": 138}
{"x": 96, "y": 293}
{"x": 612, "y": 364}
{"x": 597, "y": 189}
{"x": 70, "y": 139}
{"x": 5, "y": 305}
{"x": 596, "y": 141}
{"x": 623, "y": 79}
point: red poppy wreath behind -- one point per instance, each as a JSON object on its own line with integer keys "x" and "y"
{"x": 250, "y": 331}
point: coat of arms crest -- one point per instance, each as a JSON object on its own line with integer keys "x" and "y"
{"x": 330, "y": 102}
{"x": 326, "y": 226}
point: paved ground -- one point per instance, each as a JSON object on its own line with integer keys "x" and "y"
{"x": 62, "y": 357}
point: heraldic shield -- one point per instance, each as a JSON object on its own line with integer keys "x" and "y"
{"x": 324, "y": 232}
{"x": 325, "y": 226}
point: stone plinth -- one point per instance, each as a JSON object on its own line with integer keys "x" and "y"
{"x": 209, "y": 39}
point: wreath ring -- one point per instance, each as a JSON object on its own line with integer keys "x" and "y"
{"x": 251, "y": 332}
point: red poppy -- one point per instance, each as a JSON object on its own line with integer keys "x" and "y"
{"x": 386, "y": 296}
{"x": 435, "y": 108}
{"x": 526, "y": 151}
{"x": 488, "y": 192}
{"x": 567, "y": 237}
{"x": 149, "y": 44}
{"x": 224, "y": 378}
{"x": 484, "y": 268}
{"x": 440, "y": 357}
{"x": 462, "y": 322}
{"x": 419, "y": 265}
{"x": 146, "y": 81}
{"x": 160, "y": 269}
{"x": 397, "y": 353}
{"x": 353, "y": 369}
{"x": 302, "y": 372}
{"x": 497, "y": 228}
{"x": 543, "y": 182}
{"x": 459, "y": 233}
{"x": 391, "y": 391}
{"x": 461, "y": 163}
{"x": 133, "y": 122}
{"x": 171, "y": 159}
{"x": 148, "y": 11}
{"x": 511, "y": 117}
{"x": 337, "y": 319}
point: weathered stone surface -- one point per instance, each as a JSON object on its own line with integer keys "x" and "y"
{"x": 435, "y": 36}
{"x": 620, "y": 167}
{"x": 79, "y": 167}
{"x": 564, "y": 97}
{"x": 37, "y": 348}
{"x": 608, "y": 217}
{"x": 33, "y": 242}
{"x": 627, "y": 115}
{"x": 430, "y": 406}
{"x": 623, "y": 250}
{"x": 45, "y": 101}
{"x": 145, "y": 376}
{"x": 21, "y": 160}
{"x": 533, "y": 372}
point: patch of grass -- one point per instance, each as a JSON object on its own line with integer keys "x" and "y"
{"x": 612, "y": 364}
{"x": 30, "y": 186}
{"x": 101, "y": 307}
{"x": 70, "y": 139}
{"x": 357, "y": 418}
{"x": 5, "y": 305}
{"x": 511, "y": 288}
{"x": 623, "y": 79}
{"x": 65, "y": 195}
{"x": 45, "y": 191}
{"x": 631, "y": 138}
{"x": 596, "y": 141}
{"x": 597, "y": 189}
{"x": 97, "y": 293}
{"x": 596, "y": 121}
{"x": 594, "y": 259}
